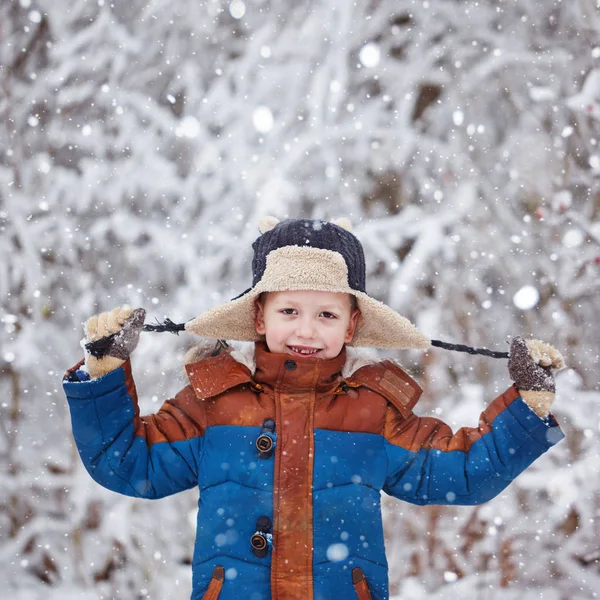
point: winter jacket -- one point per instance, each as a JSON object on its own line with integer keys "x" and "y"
{"x": 290, "y": 456}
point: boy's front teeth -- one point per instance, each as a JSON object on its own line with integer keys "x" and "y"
{"x": 304, "y": 351}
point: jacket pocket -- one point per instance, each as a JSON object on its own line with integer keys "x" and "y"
{"x": 215, "y": 585}
{"x": 360, "y": 584}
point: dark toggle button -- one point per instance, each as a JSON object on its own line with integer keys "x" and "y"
{"x": 261, "y": 540}
{"x": 290, "y": 365}
{"x": 259, "y": 543}
{"x": 265, "y": 443}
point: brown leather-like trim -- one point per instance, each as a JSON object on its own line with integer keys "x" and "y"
{"x": 130, "y": 383}
{"x": 415, "y": 432}
{"x": 291, "y": 563}
{"x": 215, "y": 585}
{"x": 69, "y": 371}
{"x": 389, "y": 380}
{"x": 276, "y": 503}
{"x": 187, "y": 416}
{"x": 213, "y": 376}
{"x": 309, "y": 490}
{"x": 360, "y": 584}
{"x": 181, "y": 418}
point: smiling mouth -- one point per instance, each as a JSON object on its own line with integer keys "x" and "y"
{"x": 304, "y": 350}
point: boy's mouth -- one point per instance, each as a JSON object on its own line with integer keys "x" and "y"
{"x": 304, "y": 350}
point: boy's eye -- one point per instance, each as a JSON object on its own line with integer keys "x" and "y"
{"x": 328, "y": 315}
{"x": 288, "y": 311}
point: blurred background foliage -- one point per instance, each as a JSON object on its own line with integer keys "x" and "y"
{"x": 140, "y": 143}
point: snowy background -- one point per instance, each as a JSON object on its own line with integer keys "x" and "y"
{"x": 141, "y": 141}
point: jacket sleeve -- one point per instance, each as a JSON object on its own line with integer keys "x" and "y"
{"x": 146, "y": 457}
{"x": 429, "y": 464}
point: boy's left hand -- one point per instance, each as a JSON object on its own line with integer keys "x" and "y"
{"x": 530, "y": 366}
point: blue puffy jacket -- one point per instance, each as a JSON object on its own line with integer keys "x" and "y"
{"x": 290, "y": 456}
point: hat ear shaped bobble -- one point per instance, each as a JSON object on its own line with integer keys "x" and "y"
{"x": 343, "y": 222}
{"x": 267, "y": 223}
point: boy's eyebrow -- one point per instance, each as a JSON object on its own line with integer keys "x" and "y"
{"x": 329, "y": 306}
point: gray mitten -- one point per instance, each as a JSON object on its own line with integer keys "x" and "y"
{"x": 124, "y": 325}
{"x": 530, "y": 366}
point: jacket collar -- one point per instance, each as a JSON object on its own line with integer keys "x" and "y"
{"x": 216, "y": 374}
{"x": 251, "y": 364}
{"x": 290, "y": 374}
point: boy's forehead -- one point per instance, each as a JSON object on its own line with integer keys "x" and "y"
{"x": 309, "y": 297}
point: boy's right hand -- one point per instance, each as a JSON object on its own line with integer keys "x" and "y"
{"x": 125, "y": 324}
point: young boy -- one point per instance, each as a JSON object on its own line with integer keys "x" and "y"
{"x": 291, "y": 444}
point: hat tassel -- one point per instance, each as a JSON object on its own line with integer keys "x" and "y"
{"x": 469, "y": 349}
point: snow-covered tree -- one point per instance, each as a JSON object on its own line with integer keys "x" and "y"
{"x": 140, "y": 143}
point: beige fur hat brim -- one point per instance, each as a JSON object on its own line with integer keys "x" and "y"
{"x": 307, "y": 268}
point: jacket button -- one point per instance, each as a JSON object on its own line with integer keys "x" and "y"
{"x": 259, "y": 545}
{"x": 262, "y": 538}
{"x": 290, "y": 365}
{"x": 265, "y": 443}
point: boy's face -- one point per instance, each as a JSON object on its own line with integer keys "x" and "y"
{"x": 306, "y": 323}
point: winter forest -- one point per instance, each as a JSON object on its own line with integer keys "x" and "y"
{"x": 140, "y": 143}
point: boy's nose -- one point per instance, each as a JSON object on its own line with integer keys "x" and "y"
{"x": 305, "y": 329}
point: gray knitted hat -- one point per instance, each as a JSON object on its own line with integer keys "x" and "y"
{"x": 304, "y": 254}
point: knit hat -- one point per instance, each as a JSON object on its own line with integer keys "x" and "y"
{"x": 305, "y": 254}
